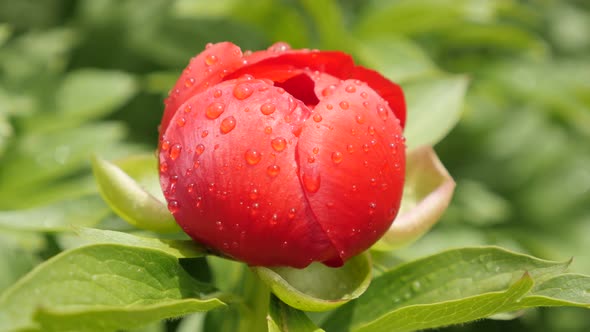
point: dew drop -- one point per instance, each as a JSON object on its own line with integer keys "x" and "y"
{"x": 279, "y": 47}
{"x": 360, "y": 119}
{"x": 315, "y": 150}
{"x": 382, "y": 112}
{"x": 214, "y": 110}
{"x": 364, "y": 95}
{"x": 268, "y": 108}
{"x": 199, "y": 149}
{"x": 173, "y": 206}
{"x": 243, "y": 91}
{"x": 328, "y": 90}
{"x": 175, "y": 151}
{"x": 343, "y": 105}
{"x": 217, "y": 93}
{"x": 350, "y": 89}
{"x": 188, "y": 109}
{"x": 268, "y": 130}
{"x": 228, "y": 124}
{"x": 252, "y": 157}
{"x": 210, "y": 59}
{"x": 163, "y": 167}
{"x": 366, "y": 147}
{"x": 181, "y": 121}
{"x": 204, "y": 133}
{"x": 372, "y": 207}
{"x": 337, "y": 157}
{"x": 371, "y": 130}
{"x": 292, "y": 212}
{"x": 278, "y": 144}
{"x": 311, "y": 182}
{"x": 329, "y": 106}
{"x": 273, "y": 170}
{"x": 350, "y": 148}
{"x": 253, "y": 194}
{"x": 190, "y": 187}
{"x": 317, "y": 117}
{"x": 189, "y": 82}
{"x": 165, "y": 145}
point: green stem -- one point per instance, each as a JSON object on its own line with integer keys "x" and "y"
{"x": 256, "y": 295}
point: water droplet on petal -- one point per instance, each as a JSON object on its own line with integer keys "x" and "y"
{"x": 165, "y": 145}
{"x": 364, "y": 95}
{"x": 360, "y": 119}
{"x": 350, "y": 148}
{"x": 311, "y": 182}
{"x": 189, "y": 82}
{"x": 317, "y": 117}
{"x": 343, "y": 105}
{"x": 228, "y": 124}
{"x": 199, "y": 149}
{"x": 190, "y": 187}
{"x": 350, "y": 89}
{"x": 328, "y": 90}
{"x": 366, "y": 147}
{"x": 214, "y": 110}
{"x": 382, "y": 112}
{"x": 268, "y": 108}
{"x": 315, "y": 150}
{"x": 279, "y": 47}
{"x": 175, "y": 151}
{"x": 163, "y": 167}
{"x": 173, "y": 206}
{"x": 278, "y": 144}
{"x": 273, "y": 170}
{"x": 337, "y": 157}
{"x": 252, "y": 157}
{"x": 268, "y": 130}
{"x": 204, "y": 133}
{"x": 243, "y": 91}
{"x": 181, "y": 121}
{"x": 329, "y": 106}
{"x": 371, "y": 130}
{"x": 210, "y": 59}
{"x": 372, "y": 207}
{"x": 188, "y": 109}
{"x": 292, "y": 212}
{"x": 253, "y": 194}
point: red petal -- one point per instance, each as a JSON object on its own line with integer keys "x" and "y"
{"x": 241, "y": 194}
{"x": 205, "y": 70}
{"x": 386, "y": 89}
{"x": 352, "y": 159}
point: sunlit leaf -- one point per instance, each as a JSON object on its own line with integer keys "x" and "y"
{"x": 129, "y": 199}
{"x": 55, "y": 217}
{"x": 434, "y": 107}
{"x": 318, "y": 287}
{"x": 103, "y": 287}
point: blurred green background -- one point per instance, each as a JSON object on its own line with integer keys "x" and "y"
{"x": 78, "y": 77}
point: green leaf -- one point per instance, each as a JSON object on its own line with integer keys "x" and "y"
{"x": 283, "y": 318}
{"x": 434, "y": 107}
{"x": 176, "y": 248}
{"x": 451, "y": 287}
{"x": 398, "y": 59}
{"x": 428, "y": 190}
{"x": 128, "y": 198}
{"x": 89, "y": 93}
{"x": 103, "y": 287}
{"x": 41, "y": 157}
{"x": 56, "y": 217}
{"x": 562, "y": 290}
{"x": 318, "y": 287}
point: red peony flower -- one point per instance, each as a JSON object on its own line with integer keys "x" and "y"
{"x": 282, "y": 157}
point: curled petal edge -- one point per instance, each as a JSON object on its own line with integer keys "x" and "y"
{"x": 428, "y": 191}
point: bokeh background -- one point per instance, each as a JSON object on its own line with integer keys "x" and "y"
{"x": 89, "y": 76}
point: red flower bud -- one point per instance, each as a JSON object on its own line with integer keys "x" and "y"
{"x": 282, "y": 157}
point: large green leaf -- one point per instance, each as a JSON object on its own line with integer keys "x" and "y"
{"x": 462, "y": 285}
{"x": 283, "y": 318}
{"x": 129, "y": 199}
{"x": 55, "y": 217}
{"x": 103, "y": 287}
{"x": 318, "y": 287}
{"x": 434, "y": 107}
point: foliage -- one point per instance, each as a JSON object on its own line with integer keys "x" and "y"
{"x": 87, "y": 77}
